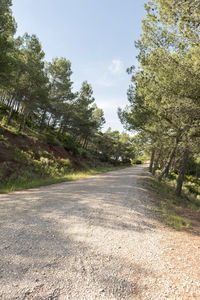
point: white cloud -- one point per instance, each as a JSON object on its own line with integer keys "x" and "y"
{"x": 116, "y": 67}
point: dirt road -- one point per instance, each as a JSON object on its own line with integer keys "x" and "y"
{"x": 95, "y": 238}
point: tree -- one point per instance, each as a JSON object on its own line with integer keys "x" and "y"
{"x": 60, "y": 92}
{"x": 7, "y": 53}
{"x": 164, "y": 96}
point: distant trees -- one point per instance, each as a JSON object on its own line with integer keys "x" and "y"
{"x": 115, "y": 145}
{"x": 164, "y": 95}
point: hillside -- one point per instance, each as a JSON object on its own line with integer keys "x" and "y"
{"x": 28, "y": 160}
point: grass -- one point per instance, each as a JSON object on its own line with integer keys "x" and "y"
{"x": 172, "y": 219}
{"x": 167, "y": 206}
{"x": 37, "y": 182}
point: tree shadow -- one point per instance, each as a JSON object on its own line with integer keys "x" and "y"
{"x": 51, "y": 238}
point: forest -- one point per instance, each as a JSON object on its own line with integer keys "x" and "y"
{"x": 164, "y": 92}
{"x": 38, "y": 104}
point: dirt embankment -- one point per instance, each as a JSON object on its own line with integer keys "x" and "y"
{"x": 23, "y": 142}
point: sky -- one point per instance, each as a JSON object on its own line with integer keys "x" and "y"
{"x": 97, "y": 36}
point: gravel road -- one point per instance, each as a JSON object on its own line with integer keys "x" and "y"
{"x": 95, "y": 238}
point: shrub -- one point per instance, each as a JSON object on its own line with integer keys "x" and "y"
{"x": 46, "y": 154}
{"x": 103, "y": 157}
{"x": 84, "y": 153}
{"x": 51, "y": 139}
{"x": 4, "y": 141}
{"x": 65, "y": 166}
{"x": 69, "y": 144}
{"x": 193, "y": 188}
{"x": 138, "y": 162}
{"x": 19, "y": 155}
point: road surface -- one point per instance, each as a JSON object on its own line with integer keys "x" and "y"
{"x": 95, "y": 238}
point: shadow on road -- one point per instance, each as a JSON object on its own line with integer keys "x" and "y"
{"x": 75, "y": 235}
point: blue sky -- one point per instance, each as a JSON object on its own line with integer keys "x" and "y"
{"x": 97, "y": 36}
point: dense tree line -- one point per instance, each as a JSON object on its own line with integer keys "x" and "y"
{"x": 41, "y": 90}
{"x": 33, "y": 91}
{"x": 164, "y": 94}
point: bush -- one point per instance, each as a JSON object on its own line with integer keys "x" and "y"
{"x": 126, "y": 161}
{"x": 69, "y": 144}
{"x": 138, "y": 162}
{"x": 65, "y": 166}
{"x": 84, "y": 153}
{"x": 19, "y": 155}
{"x": 103, "y": 157}
{"x": 46, "y": 154}
{"x": 4, "y": 141}
{"x": 193, "y": 188}
{"x": 51, "y": 139}
{"x": 172, "y": 175}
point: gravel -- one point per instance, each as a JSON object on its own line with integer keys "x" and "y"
{"x": 95, "y": 238}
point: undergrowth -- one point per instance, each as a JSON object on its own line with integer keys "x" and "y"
{"x": 25, "y": 183}
{"x": 168, "y": 204}
{"x": 29, "y": 159}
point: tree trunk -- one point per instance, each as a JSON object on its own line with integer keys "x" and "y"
{"x": 42, "y": 120}
{"x": 86, "y": 146}
{"x": 63, "y": 130}
{"x": 15, "y": 96}
{"x": 167, "y": 171}
{"x": 168, "y": 163}
{"x": 10, "y": 113}
{"x": 49, "y": 120}
{"x": 23, "y": 120}
{"x": 152, "y": 160}
{"x": 85, "y": 142}
{"x": 156, "y": 162}
{"x": 182, "y": 172}
{"x": 59, "y": 131}
{"x": 18, "y": 106}
{"x": 22, "y": 123}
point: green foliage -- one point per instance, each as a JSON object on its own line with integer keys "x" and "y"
{"x": 168, "y": 205}
{"x": 19, "y": 155}
{"x": 138, "y": 162}
{"x": 172, "y": 175}
{"x": 25, "y": 183}
{"x": 51, "y": 139}
{"x": 193, "y": 188}
{"x": 46, "y": 154}
{"x": 164, "y": 91}
{"x": 4, "y": 141}
{"x": 174, "y": 221}
{"x": 84, "y": 153}
{"x": 69, "y": 144}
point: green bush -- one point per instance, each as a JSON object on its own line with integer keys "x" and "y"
{"x": 192, "y": 179}
{"x": 19, "y": 155}
{"x": 69, "y": 144}
{"x": 138, "y": 162}
{"x": 46, "y": 154}
{"x": 65, "y": 166}
{"x": 4, "y": 141}
{"x": 172, "y": 175}
{"x": 103, "y": 157}
{"x": 193, "y": 188}
{"x": 84, "y": 153}
{"x": 51, "y": 139}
